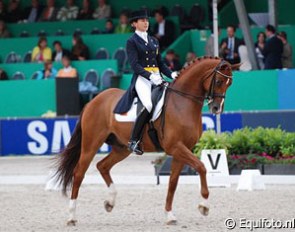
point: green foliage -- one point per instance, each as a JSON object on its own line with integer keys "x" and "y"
{"x": 269, "y": 140}
{"x": 240, "y": 142}
{"x": 288, "y": 145}
{"x": 247, "y": 147}
{"x": 211, "y": 140}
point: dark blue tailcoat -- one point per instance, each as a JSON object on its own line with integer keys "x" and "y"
{"x": 141, "y": 55}
{"x": 272, "y": 52}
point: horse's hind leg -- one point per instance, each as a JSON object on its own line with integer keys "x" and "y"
{"x": 104, "y": 166}
{"x": 90, "y": 146}
{"x": 176, "y": 168}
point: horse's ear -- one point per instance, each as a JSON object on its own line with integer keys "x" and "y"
{"x": 236, "y": 66}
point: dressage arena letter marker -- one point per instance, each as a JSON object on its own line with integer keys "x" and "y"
{"x": 214, "y": 165}
{"x": 215, "y": 162}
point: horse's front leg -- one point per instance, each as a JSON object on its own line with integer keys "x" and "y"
{"x": 184, "y": 155}
{"x": 176, "y": 168}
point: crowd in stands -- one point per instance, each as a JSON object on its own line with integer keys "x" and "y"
{"x": 163, "y": 29}
{"x": 272, "y": 49}
{"x": 12, "y": 13}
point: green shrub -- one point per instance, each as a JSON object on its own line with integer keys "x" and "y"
{"x": 287, "y": 148}
{"x": 211, "y": 140}
{"x": 266, "y": 142}
{"x": 240, "y": 142}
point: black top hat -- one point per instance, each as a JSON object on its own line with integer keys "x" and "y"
{"x": 138, "y": 14}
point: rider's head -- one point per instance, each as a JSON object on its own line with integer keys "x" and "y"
{"x": 140, "y": 20}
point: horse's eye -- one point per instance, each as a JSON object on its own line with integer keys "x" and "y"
{"x": 218, "y": 82}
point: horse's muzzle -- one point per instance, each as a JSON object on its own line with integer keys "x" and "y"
{"x": 215, "y": 108}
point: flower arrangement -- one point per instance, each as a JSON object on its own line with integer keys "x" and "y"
{"x": 248, "y": 148}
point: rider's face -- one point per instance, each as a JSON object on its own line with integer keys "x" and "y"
{"x": 141, "y": 25}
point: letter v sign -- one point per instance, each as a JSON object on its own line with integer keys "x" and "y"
{"x": 215, "y": 162}
{"x": 214, "y": 165}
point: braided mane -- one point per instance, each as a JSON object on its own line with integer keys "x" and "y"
{"x": 196, "y": 61}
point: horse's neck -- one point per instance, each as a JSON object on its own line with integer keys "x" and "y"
{"x": 191, "y": 82}
{"x": 188, "y": 101}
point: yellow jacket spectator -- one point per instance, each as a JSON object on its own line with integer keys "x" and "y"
{"x": 67, "y": 70}
{"x": 41, "y": 52}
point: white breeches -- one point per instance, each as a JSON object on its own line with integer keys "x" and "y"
{"x": 143, "y": 88}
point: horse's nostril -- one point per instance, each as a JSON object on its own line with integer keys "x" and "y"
{"x": 215, "y": 108}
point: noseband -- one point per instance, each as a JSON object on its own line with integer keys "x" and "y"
{"x": 211, "y": 95}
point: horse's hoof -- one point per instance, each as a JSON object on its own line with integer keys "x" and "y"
{"x": 171, "y": 219}
{"x": 204, "y": 210}
{"x": 108, "y": 207}
{"x": 172, "y": 222}
{"x": 72, "y": 223}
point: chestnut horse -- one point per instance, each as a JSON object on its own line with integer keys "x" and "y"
{"x": 204, "y": 78}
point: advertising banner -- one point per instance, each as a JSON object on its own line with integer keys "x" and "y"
{"x": 40, "y": 136}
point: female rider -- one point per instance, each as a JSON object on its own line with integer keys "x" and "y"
{"x": 146, "y": 62}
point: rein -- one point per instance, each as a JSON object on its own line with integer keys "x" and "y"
{"x": 211, "y": 95}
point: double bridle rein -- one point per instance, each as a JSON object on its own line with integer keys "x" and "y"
{"x": 211, "y": 95}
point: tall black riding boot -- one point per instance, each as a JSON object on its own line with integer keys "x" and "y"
{"x": 136, "y": 135}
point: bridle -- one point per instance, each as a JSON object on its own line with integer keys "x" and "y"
{"x": 211, "y": 95}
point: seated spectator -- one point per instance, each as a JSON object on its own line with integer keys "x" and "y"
{"x": 190, "y": 56}
{"x": 41, "y": 52}
{"x": 273, "y": 49}
{"x": 50, "y": 11}
{"x": 259, "y": 46}
{"x": 86, "y": 11}
{"x": 287, "y": 51}
{"x": 103, "y": 11}
{"x": 68, "y": 12}
{"x": 209, "y": 48}
{"x": 172, "y": 61}
{"x": 123, "y": 26}
{"x": 109, "y": 27}
{"x": 14, "y": 13}
{"x": 4, "y": 33}
{"x": 79, "y": 50}
{"x": 3, "y": 12}
{"x": 59, "y": 51}
{"x": 67, "y": 70}
{"x": 245, "y": 61}
{"x": 3, "y": 75}
{"x": 48, "y": 72}
{"x": 229, "y": 46}
{"x": 163, "y": 30}
{"x": 33, "y": 13}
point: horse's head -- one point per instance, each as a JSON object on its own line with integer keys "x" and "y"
{"x": 216, "y": 84}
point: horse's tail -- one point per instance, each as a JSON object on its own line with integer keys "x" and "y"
{"x": 69, "y": 158}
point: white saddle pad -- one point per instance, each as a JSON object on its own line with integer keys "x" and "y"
{"x": 131, "y": 114}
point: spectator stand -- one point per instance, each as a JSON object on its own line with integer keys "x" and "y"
{"x": 94, "y": 42}
{"x": 82, "y": 67}
{"x": 87, "y": 27}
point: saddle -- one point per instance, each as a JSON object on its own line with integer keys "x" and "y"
{"x": 157, "y": 93}
{"x": 158, "y": 97}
